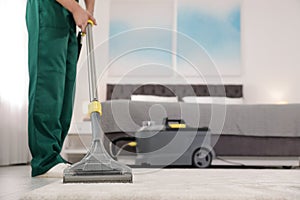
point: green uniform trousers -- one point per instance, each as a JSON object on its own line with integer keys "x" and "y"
{"x": 52, "y": 55}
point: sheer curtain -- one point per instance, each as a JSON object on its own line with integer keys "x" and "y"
{"x": 13, "y": 83}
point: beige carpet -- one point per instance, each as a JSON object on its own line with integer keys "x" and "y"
{"x": 185, "y": 184}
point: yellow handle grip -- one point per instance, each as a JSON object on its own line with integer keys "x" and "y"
{"x": 91, "y": 22}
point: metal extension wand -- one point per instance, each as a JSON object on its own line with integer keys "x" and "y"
{"x": 97, "y": 165}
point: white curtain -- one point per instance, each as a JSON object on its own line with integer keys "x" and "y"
{"x": 13, "y": 83}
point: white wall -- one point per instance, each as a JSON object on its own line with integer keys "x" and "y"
{"x": 270, "y": 32}
{"x": 271, "y": 50}
{"x": 13, "y": 83}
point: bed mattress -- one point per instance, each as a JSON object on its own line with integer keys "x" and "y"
{"x": 243, "y": 120}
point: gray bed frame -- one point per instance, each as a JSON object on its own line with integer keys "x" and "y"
{"x": 227, "y": 145}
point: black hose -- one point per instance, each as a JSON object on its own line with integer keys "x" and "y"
{"x": 114, "y": 141}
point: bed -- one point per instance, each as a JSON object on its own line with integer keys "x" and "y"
{"x": 238, "y": 130}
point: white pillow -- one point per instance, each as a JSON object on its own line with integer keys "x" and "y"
{"x": 234, "y": 100}
{"x": 194, "y": 99}
{"x": 153, "y": 98}
{"x": 212, "y": 100}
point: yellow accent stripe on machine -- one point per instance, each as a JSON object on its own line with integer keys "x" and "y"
{"x": 177, "y": 125}
{"x": 95, "y": 106}
{"x": 132, "y": 144}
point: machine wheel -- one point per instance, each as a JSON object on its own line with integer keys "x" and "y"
{"x": 202, "y": 158}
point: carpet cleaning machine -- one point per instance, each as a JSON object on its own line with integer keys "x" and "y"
{"x": 170, "y": 143}
{"x": 173, "y": 143}
{"x": 97, "y": 166}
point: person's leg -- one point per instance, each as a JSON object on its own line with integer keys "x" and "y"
{"x": 70, "y": 79}
{"x": 48, "y": 46}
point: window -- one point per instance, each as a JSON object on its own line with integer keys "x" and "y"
{"x": 162, "y": 37}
